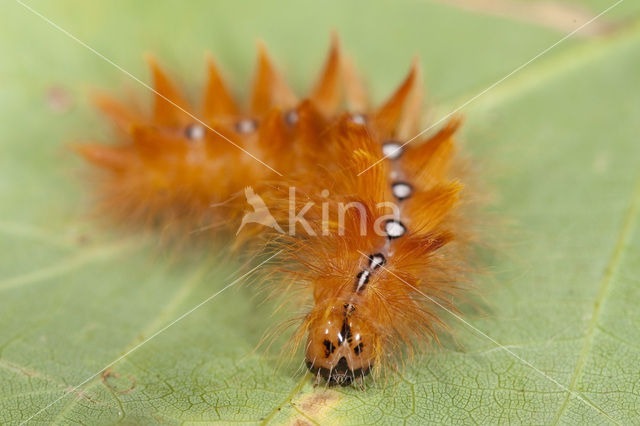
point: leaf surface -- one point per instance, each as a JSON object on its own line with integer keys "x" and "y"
{"x": 558, "y": 143}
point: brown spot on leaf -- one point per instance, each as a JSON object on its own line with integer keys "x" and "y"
{"x": 117, "y": 382}
{"x": 82, "y": 239}
{"x": 317, "y": 401}
{"x": 314, "y": 406}
{"x": 59, "y": 99}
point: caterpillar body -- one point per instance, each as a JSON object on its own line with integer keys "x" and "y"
{"x": 375, "y": 277}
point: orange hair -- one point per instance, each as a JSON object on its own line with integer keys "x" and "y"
{"x": 371, "y": 282}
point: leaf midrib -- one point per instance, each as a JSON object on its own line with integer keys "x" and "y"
{"x": 613, "y": 265}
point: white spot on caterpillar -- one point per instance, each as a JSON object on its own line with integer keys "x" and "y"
{"x": 376, "y": 260}
{"x": 394, "y": 229}
{"x": 401, "y": 190}
{"x": 363, "y": 278}
{"x": 359, "y": 119}
{"x": 195, "y": 132}
{"x": 392, "y": 150}
{"x": 292, "y": 117}
{"x": 246, "y": 126}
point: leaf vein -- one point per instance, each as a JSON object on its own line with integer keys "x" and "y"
{"x": 605, "y": 284}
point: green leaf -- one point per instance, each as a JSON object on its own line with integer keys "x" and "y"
{"x": 558, "y": 143}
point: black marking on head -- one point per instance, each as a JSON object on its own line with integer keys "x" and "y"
{"x": 345, "y": 332}
{"x": 401, "y": 190}
{"x": 358, "y": 348}
{"x": 348, "y": 308}
{"x": 362, "y": 280}
{"x": 342, "y": 365}
{"x": 194, "y": 132}
{"x": 376, "y": 260}
{"x": 329, "y": 348}
{"x": 340, "y": 374}
{"x": 394, "y": 229}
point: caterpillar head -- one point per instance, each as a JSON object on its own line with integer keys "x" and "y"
{"x": 340, "y": 346}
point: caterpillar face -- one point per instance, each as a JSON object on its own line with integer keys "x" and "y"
{"x": 340, "y": 348}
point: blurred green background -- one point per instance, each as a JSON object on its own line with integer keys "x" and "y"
{"x": 557, "y": 144}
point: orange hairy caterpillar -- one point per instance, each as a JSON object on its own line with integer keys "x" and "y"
{"x": 375, "y": 275}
